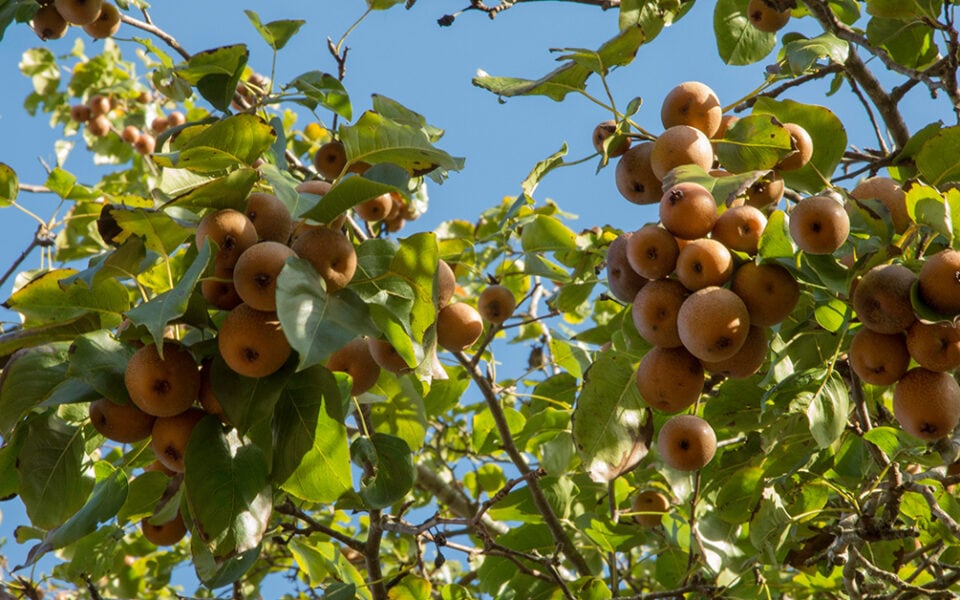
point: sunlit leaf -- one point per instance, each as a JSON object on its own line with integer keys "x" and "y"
{"x": 739, "y": 42}
{"x": 611, "y": 428}
{"x": 9, "y": 185}
{"x": 275, "y": 33}
{"x": 310, "y": 459}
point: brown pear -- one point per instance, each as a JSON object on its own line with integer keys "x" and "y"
{"x": 650, "y": 506}
{"x": 231, "y": 230}
{"x": 459, "y": 325}
{"x": 686, "y": 442}
{"x": 939, "y": 282}
{"x": 496, "y": 303}
{"x": 165, "y": 386}
{"x": 106, "y": 24}
{"x": 713, "y": 324}
{"x": 670, "y": 379}
{"x": 635, "y": 178}
{"x": 688, "y": 210}
{"x": 171, "y": 435}
{"x": 252, "y": 342}
{"x": 270, "y": 217}
{"x": 79, "y": 12}
{"x": 49, "y": 24}
{"x": 356, "y": 360}
{"x": 332, "y": 255}
{"x": 624, "y": 282}
{"x": 652, "y": 252}
{"x": 655, "y": 310}
{"x": 882, "y": 298}
{"x": 692, "y": 103}
{"x": 927, "y": 403}
{"x": 255, "y": 276}
{"x": 164, "y": 534}
{"x": 124, "y": 423}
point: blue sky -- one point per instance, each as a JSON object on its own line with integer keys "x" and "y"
{"x": 406, "y": 56}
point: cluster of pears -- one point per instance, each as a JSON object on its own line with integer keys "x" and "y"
{"x": 169, "y": 395}
{"x": 918, "y": 357}
{"x": 99, "y": 19}
{"x": 95, "y": 113}
{"x": 693, "y": 119}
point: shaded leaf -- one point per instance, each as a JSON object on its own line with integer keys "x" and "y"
{"x": 100, "y": 360}
{"x": 755, "y": 142}
{"x": 53, "y": 483}
{"x": 388, "y": 465}
{"x": 215, "y": 73}
{"x": 108, "y": 496}
{"x": 229, "y": 191}
{"x": 317, "y": 323}
{"x": 227, "y": 489}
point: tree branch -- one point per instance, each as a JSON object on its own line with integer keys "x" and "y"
{"x": 539, "y": 499}
{"x": 168, "y": 39}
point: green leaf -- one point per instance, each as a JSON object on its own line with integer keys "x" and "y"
{"x": 803, "y": 53}
{"x": 415, "y": 263}
{"x": 347, "y": 193}
{"x": 45, "y": 301}
{"x": 739, "y": 494}
{"x": 53, "y": 483}
{"x": 938, "y": 160}
{"x": 108, "y": 496}
{"x": 891, "y": 440}
{"x": 215, "y": 73}
{"x": 827, "y": 413}
{"x": 775, "y": 241}
{"x": 540, "y": 170}
{"x": 375, "y": 139}
{"x": 388, "y": 464}
{"x": 383, "y": 4}
{"x": 317, "y": 323}
{"x": 247, "y": 401}
{"x": 159, "y": 311}
{"x": 160, "y": 232}
{"x": 832, "y": 315}
{"x": 904, "y": 9}
{"x": 398, "y": 113}
{"x": 143, "y": 495}
{"x": 122, "y": 263}
{"x": 770, "y": 526}
{"x": 411, "y": 587}
{"x": 322, "y": 89}
{"x": 9, "y": 184}
{"x": 229, "y": 143}
{"x": 910, "y": 44}
{"x": 571, "y": 77}
{"x": 60, "y": 331}
{"x": 229, "y": 191}
{"x": 755, "y": 142}
{"x": 827, "y": 132}
{"x": 275, "y": 33}
{"x": 310, "y": 459}
{"x": 739, "y": 42}
{"x": 403, "y": 414}
{"x": 927, "y": 206}
{"x": 227, "y": 489}
{"x": 29, "y": 376}
{"x": 216, "y": 572}
{"x": 611, "y": 429}
{"x": 100, "y": 361}
{"x": 544, "y": 234}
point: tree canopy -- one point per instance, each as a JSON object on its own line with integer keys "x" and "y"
{"x": 241, "y": 354}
